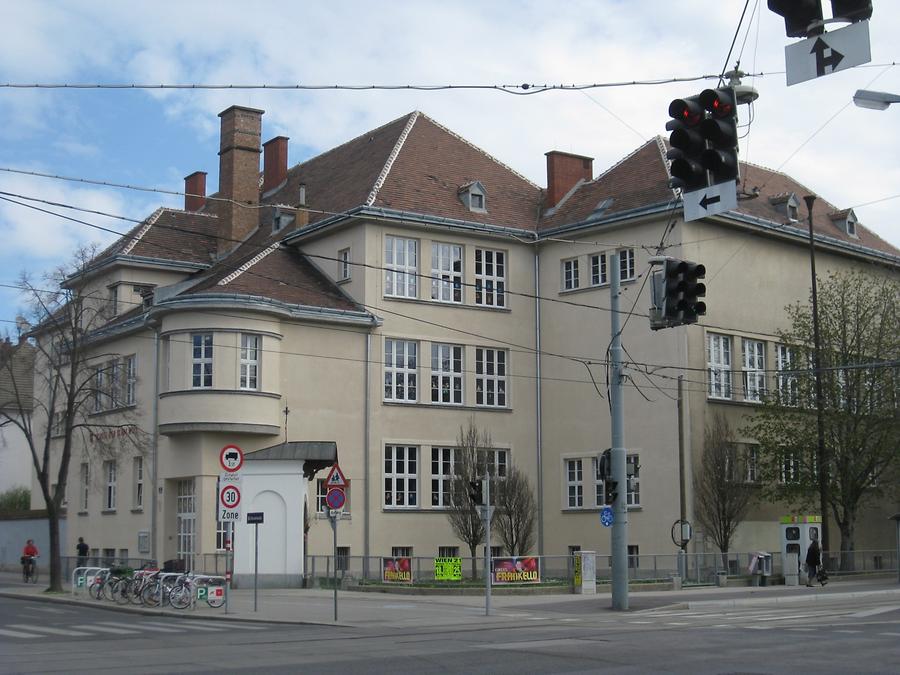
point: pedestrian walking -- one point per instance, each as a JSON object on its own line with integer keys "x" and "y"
{"x": 82, "y": 550}
{"x": 813, "y": 561}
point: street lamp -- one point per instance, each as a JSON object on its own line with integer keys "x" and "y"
{"x": 875, "y": 100}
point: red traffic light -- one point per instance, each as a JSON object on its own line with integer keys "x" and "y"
{"x": 719, "y": 102}
{"x": 688, "y": 110}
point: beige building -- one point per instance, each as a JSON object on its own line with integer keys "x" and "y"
{"x": 379, "y": 296}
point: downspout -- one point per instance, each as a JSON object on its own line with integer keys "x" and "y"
{"x": 537, "y": 399}
{"x": 154, "y": 450}
{"x": 366, "y": 477}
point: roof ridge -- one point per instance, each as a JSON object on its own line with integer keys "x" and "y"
{"x": 789, "y": 177}
{"x": 147, "y": 225}
{"x": 480, "y": 150}
{"x": 386, "y": 169}
{"x": 247, "y": 265}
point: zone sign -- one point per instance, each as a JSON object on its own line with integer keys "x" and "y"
{"x": 230, "y": 500}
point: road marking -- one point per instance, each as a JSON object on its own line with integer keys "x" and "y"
{"x": 157, "y": 629}
{"x": 109, "y": 629}
{"x": 191, "y": 626}
{"x": 537, "y": 618}
{"x": 802, "y": 630}
{"x": 51, "y": 631}
{"x": 17, "y": 634}
{"x": 873, "y": 612}
{"x": 758, "y": 627}
{"x": 678, "y": 623}
{"x": 221, "y": 624}
{"x": 640, "y": 622}
{"x": 47, "y": 609}
{"x": 891, "y": 634}
{"x": 846, "y": 631}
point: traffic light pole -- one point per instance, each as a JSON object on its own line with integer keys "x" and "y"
{"x": 487, "y": 541}
{"x": 619, "y": 539}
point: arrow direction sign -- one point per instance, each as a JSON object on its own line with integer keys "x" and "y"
{"x": 829, "y": 53}
{"x": 709, "y": 201}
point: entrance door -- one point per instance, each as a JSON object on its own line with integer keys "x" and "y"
{"x": 186, "y": 522}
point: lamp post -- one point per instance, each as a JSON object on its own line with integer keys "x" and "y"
{"x": 874, "y": 100}
{"x": 821, "y": 457}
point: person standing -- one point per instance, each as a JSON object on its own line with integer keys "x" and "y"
{"x": 83, "y": 550}
{"x": 813, "y": 561}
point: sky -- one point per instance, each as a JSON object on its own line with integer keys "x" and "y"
{"x": 153, "y": 138}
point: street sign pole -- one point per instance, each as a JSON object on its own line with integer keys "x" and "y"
{"x": 255, "y": 564}
{"x": 334, "y": 520}
{"x": 487, "y": 542}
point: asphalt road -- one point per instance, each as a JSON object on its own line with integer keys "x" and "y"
{"x": 849, "y": 636}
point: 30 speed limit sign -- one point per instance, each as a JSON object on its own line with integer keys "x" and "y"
{"x": 230, "y": 503}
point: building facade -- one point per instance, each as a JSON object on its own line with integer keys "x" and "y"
{"x": 386, "y": 293}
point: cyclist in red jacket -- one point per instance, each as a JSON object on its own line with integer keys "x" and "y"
{"x": 29, "y": 553}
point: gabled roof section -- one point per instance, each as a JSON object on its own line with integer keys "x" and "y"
{"x": 169, "y": 234}
{"x": 638, "y": 180}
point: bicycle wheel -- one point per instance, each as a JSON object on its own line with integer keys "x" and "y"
{"x": 34, "y": 573}
{"x": 95, "y": 590}
{"x": 123, "y": 591}
{"x": 151, "y": 594}
{"x": 110, "y": 589}
{"x": 137, "y": 590}
{"x": 180, "y": 597}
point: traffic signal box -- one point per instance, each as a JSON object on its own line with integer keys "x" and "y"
{"x": 703, "y": 140}
{"x": 679, "y": 297}
{"x": 800, "y": 14}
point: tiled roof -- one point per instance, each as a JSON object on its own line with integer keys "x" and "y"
{"x": 16, "y": 375}
{"x": 169, "y": 234}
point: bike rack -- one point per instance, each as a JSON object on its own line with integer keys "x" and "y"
{"x": 162, "y": 577}
{"x": 207, "y": 577}
{"x": 88, "y": 572}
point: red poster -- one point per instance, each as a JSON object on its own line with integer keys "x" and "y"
{"x": 396, "y": 570}
{"x": 524, "y": 570}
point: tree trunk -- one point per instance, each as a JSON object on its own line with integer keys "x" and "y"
{"x": 55, "y": 561}
{"x": 474, "y": 563}
{"x": 848, "y": 545}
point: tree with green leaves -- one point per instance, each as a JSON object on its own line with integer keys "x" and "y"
{"x": 722, "y": 495}
{"x": 15, "y": 499}
{"x": 860, "y": 375}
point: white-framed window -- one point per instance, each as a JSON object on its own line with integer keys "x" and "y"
{"x": 114, "y": 384}
{"x": 790, "y": 467}
{"x": 754, "y": 369}
{"x": 446, "y": 373}
{"x": 443, "y": 463}
{"x": 201, "y": 360}
{"x": 490, "y": 277}
{"x": 84, "y": 485}
{"x": 109, "y": 494}
{"x": 634, "y": 552}
{"x": 751, "y": 463}
{"x": 130, "y": 368}
{"x": 224, "y": 535}
{"x": 476, "y": 200}
{"x": 446, "y": 272}
{"x": 137, "y": 473}
{"x": 626, "y": 264}
{"x": 250, "y": 349}
{"x": 633, "y": 474}
{"x": 786, "y": 382}
{"x": 497, "y": 462}
{"x": 401, "y": 551}
{"x": 401, "y": 482}
{"x": 574, "y": 484}
{"x": 342, "y": 559}
{"x": 99, "y": 388}
{"x": 599, "y": 491}
{"x": 400, "y": 370}
{"x": 570, "y": 274}
{"x": 490, "y": 377}
{"x": 344, "y": 264}
{"x": 598, "y": 269}
{"x": 718, "y": 363}
{"x": 448, "y": 552}
{"x": 401, "y": 267}
{"x": 112, "y": 296}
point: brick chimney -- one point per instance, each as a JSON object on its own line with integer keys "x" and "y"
{"x": 238, "y": 174}
{"x": 275, "y": 162}
{"x": 195, "y": 191}
{"x": 564, "y": 170}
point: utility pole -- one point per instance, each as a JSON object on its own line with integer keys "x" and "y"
{"x": 619, "y": 538}
{"x": 487, "y": 540}
{"x": 821, "y": 455}
{"x": 682, "y": 554}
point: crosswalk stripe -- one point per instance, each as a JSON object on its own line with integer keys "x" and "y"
{"x": 873, "y": 612}
{"x": 50, "y": 631}
{"x": 219, "y": 624}
{"x": 143, "y": 626}
{"x": 192, "y": 626}
{"x": 17, "y": 634}
{"x": 108, "y": 629}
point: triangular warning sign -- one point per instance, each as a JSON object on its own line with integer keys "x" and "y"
{"x": 336, "y": 478}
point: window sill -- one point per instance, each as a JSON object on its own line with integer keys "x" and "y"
{"x": 459, "y": 305}
{"x": 108, "y": 512}
{"x": 447, "y": 406}
{"x": 110, "y": 411}
{"x": 340, "y": 282}
{"x": 212, "y": 390}
{"x": 139, "y": 509}
{"x": 83, "y": 513}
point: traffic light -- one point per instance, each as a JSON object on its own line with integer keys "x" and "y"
{"x": 798, "y": 14}
{"x": 690, "y": 305}
{"x": 604, "y": 470}
{"x": 476, "y": 492}
{"x": 610, "y": 491}
{"x": 687, "y": 144}
{"x": 719, "y": 130}
{"x": 671, "y": 290}
{"x": 852, "y": 10}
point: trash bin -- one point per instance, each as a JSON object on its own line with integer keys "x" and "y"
{"x": 721, "y": 578}
{"x": 765, "y": 565}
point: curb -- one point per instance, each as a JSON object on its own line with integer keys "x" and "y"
{"x": 785, "y": 599}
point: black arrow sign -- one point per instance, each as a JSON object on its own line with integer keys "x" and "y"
{"x": 707, "y": 200}
{"x": 819, "y": 47}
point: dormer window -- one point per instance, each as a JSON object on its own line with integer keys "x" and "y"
{"x": 793, "y": 212}
{"x": 845, "y": 221}
{"x": 473, "y": 197}
{"x": 281, "y": 220}
{"x": 787, "y": 205}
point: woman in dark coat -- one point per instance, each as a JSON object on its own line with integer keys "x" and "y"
{"x": 813, "y": 560}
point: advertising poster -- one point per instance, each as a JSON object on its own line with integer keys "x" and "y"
{"x": 523, "y": 570}
{"x": 448, "y": 569}
{"x": 396, "y": 570}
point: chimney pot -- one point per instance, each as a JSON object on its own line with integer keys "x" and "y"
{"x": 238, "y": 175}
{"x": 275, "y": 162}
{"x": 195, "y": 191}
{"x": 564, "y": 170}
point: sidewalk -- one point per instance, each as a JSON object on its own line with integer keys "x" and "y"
{"x": 355, "y": 608}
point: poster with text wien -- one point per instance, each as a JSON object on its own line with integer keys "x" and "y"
{"x": 396, "y": 570}
{"x": 524, "y": 570}
{"x": 448, "y": 569}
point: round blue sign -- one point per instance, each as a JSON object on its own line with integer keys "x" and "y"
{"x": 606, "y": 516}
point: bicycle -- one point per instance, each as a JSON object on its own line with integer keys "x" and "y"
{"x": 29, "y": 569}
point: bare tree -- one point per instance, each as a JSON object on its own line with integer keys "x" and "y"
{"x": 462, "y": 512}
{"x": 722, "y": 496}
{"x": 860, "y": 348}
{"x": 73, "y": 377}
{"x": 514, "y": 519}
